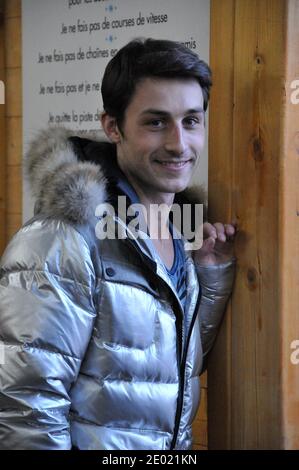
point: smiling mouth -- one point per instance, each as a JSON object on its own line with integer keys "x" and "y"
{"x": 173, "y": 165}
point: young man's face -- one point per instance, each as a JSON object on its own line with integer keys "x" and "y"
{"x": 162, "y": 136}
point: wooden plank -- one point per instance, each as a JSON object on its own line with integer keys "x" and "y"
{"x": 254, "y": 156}
{"x": 199, "y": 447}
{"x": 13, "y": 115}
{"x": 14, "y": 92}
{"x": 202, "y": 412}
{"x": 289, "y": 238}
{"x": 14, "y": 185}
{"x": 12, "y": 8}
{"x": 13, "y": 31}
{"x": 204, "y": 380}
{"x": 203, "y": 408}
{"x": 2, "y": 140}
{"x": 14, "y": 141}
{"x": 2, "y": 44}
{"x": 220, "y": 205}
{"x": 200, "y": 435}
{"x": 258, "y": 72}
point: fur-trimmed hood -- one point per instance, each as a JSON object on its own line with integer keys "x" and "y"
{"x": 61, "y": 184}
{"x": 68, "y": 183}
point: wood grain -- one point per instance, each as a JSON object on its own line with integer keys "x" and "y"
{"x": 253, "y": 176}
{"x": 289, "y": 238}
{"x": 13, "y": 115}
{"x": 2, "y": 137}
{"x": 221, "y": 155}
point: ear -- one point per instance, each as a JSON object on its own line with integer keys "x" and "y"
{"x": 110, "y": 128}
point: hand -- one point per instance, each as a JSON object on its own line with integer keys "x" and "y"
{"x": 218, "y": 244}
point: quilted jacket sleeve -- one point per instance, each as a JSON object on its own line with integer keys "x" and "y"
{"x": 216, "y": 287}
{"x": 46, "y": 318}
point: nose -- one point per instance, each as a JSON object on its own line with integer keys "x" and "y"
{"x": 175, "y": 140}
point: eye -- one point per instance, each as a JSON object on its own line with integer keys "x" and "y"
{"x": 155, "y": 123}
{"x": 192, "y": 121}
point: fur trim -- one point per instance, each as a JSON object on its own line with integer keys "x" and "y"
{"x": 62, "y": 186}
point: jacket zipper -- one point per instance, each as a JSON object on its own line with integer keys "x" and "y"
{"x": 182, "y": 354}
{"x": 182, "y": 377}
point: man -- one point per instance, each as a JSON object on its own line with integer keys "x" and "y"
{"x": 105, "y": 336}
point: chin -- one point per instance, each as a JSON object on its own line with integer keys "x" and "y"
{"x": 179, "y": 186}
{"x": 176, "y": 188}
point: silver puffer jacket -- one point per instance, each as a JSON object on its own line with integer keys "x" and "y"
{"x": 95, "y": 351}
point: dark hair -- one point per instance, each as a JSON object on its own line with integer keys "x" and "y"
{"x": 142, "y": 58}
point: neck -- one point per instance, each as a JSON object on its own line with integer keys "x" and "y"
{"x": 156, "y": 210}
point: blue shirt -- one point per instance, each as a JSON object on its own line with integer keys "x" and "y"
{"x": 177, "y": 273}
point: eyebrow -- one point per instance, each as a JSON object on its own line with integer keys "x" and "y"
{"x": 160, "y": 112}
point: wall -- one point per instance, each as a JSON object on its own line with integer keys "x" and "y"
{"x": 253, "y": 178}
{"x": 13, "y": 117}
{"x": 2, "y": 138}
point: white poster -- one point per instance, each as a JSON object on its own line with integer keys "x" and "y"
{"x": 67, "y": 44}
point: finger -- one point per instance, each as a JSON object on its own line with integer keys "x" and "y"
{"x": 230, "y": 230}
{"x": 209, "y": 230}
{"x": 208, "y": 245}
{"x": 220, "y": 230}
